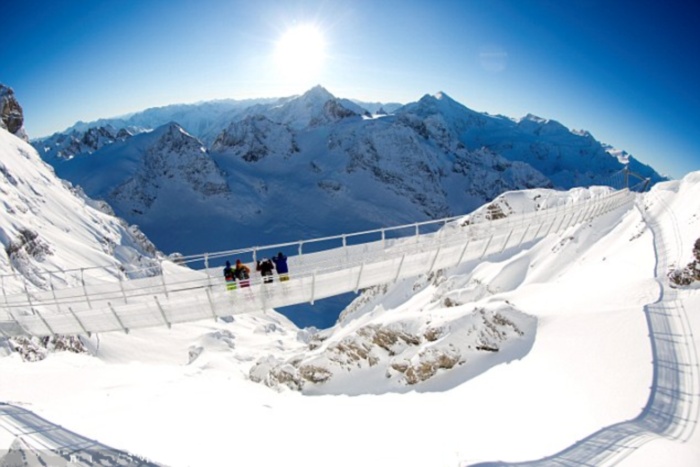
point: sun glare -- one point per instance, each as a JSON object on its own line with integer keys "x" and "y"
{"x": 301, "y": 52}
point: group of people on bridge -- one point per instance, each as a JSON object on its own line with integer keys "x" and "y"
{"x": 240, "y": 274}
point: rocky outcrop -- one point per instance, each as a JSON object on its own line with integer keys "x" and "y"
{"x": 34, "y": 349}
{"x": 77, "y": 143}
{"x": 11, "y": 116}
{"x": 256, "y": 138}
{"x": 681, "y": 277}
{"x": 406, "y": 353}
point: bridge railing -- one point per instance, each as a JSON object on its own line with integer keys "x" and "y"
{"x": 180, "y": 294}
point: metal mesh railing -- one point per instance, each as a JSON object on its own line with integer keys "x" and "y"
{"x": 171, "y": 293}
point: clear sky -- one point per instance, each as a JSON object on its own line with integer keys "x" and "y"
{"x": 627, "y": 71}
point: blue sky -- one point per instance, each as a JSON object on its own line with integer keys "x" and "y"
{"x": 627, "y": 71}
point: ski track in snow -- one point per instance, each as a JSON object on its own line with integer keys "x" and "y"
{"x": 673, "y": 406}
{"x": 58, "y": 446}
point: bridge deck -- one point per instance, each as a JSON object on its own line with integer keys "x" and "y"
{"x": 180, "y": 294}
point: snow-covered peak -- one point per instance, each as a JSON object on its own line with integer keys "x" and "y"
{"x": 443, "y": 111}
{"x": 438, "y": 103}
{"x": 172, "y": 137}
{"x": 317, "y": 94}
{"x": 314, "y": 108}
{"x": 533, "y": 118}
{"x": 620, "y": 154}
{"x": 441, "y": 95}
{"x": 538, "y": 125}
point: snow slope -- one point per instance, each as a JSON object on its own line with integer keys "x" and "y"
{"x": 607, "y": 348}
{"x": 46, "y": 224}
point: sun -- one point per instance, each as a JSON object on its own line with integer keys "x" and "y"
{"x": 300, "y": 53}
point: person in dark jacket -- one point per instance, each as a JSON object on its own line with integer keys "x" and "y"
{"x": 229, "y": 276}
{"x": 265, "y": 267}
{"x": 281, "y": 265}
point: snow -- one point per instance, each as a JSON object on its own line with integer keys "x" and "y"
{"x": 184, "y": 397}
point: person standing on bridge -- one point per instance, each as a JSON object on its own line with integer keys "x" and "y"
{"x": 281, "y": 265}
{"x": 265, "y": 267}
{"x": 229, "y": 276}
{"x": 242, "y": 273}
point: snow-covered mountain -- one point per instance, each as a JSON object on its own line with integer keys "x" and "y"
{"x": 65, "y": 146}
{"x": 204, "y": 119}
{"x": 47, "y": 224}
{"x": 288, "y": 165}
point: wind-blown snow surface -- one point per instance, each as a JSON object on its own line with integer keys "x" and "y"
{"x": 46, "y": 224}
{"x": 183, "y": 396}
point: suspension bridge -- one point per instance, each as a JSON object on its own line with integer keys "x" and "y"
{"x": 320, "y": 268}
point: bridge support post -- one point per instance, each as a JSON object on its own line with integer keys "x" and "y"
{"x": 580, "y": 215}
{"x": 568, "y": 224}
{"x": 597, "y": 210}
{"x": 537, "y": 233}
{"x": 560, "y": 223}
{"x": 398, "y": 271}
{"x": 486, "y": 247}
{"x": 549, "y": 230}
{"x": 522, "y": 237}
{"x": 359, "y": 275}
{"x": 80, "y": 323}
{"x": 461, "y": 255}
{"x": 82, "y": 281}
{"x": 44, "y": 321}
{"x": 162, "y": 312}
{"x": 119, "y": 320}
{"x": 432, "y": 265}
{"x": 505, "y": 244}
{"x": 313, "y": 288}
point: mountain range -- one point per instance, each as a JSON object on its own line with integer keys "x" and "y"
{"x": 227, "y": 174}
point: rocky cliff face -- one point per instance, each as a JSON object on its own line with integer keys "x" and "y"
{"x": 64, "y": 147}
{"x": 11, "y": 116}
{"x": 255, "y": 138}
{"x": 174, "y": 158}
